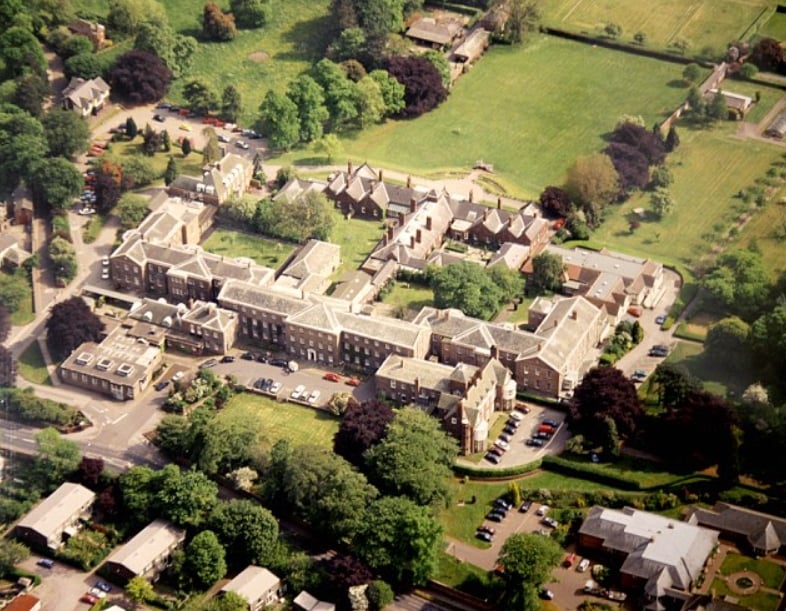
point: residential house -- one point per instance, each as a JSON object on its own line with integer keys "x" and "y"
{"x": 473, "y": 47}
{"x": 492, "y": 227}
{"x": 147, "y": 554}
{"x": 659, "y": 557}
{"x": 609, "y": 279}
{"x": 310, "y": 268}
{"x": 219, "y": 182}
{"x": 257, "y": 586}
{"x": 764, "y": 534}
{"x": 197, "y": 328}
{"x": 735, "y": 102}
{"x": 513, "y": 256}
{"x": 95, "y": 32}
{"x": 306, "y": 602}
{"x": 121, "y": 366}
{"x": 53, "y": 520}
{"x": 12, "y": 255}
{"x": 24, "y": 602}
{"x": 463, "y": 397}
{"x": 85, "y": 97}
{"x": 174, "y": 221}
{"x": 434, "y": 33}
{"x": 297, "y": 187}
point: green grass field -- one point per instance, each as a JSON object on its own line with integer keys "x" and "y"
{"x": 513, "y": 111}
{"x": 357, "y": 239}
{"x": 709, "y": 168}
{"x": 410, "y": 296}
{"x": 761, "y": 601}
{"x": 772, "y": 574}
{"x": 718, "y": 380}
{"x": 24, "y": 313}
{"x": 301, "y": 425}
{"x": 232, "y": 243}
{"x": 31, "y": 365}
{"x": 703, "y": 23}
{"x": 775, "y": 27}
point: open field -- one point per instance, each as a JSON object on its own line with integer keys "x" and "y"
{"x": 410, "y": 296}
{"x": 357, "y": 239}
{"x": 31, "y": 365}
{"x": 301, "y": 425}
{"x": 511, "y": 111}
{"x": 720, "y": 381}
{"x": 704, "y": 23}
{"x": 24, "y": 313}
{"x": 709, "y": 168}
{"x": 761, "y": 601}
{"x": 775, "y": 27}
{"x": 233, "y": 243}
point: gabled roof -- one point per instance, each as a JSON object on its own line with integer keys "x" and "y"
{"x": 83, "y": 94}
{"x": 762, "y": 530}
{"x": 319, "y": 316}
{"x": 150, "y": 544}
{"x": 251, "y": 296}
{"x": 48, "y": 517}
{"x": 253, "y": 583}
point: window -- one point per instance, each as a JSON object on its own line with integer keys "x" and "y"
{"x": 453, "y": 421}
{"x": 392, "y": 383}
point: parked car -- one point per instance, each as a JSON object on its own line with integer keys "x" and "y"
{"x": 484, "y": 536}
{"x": 501, "y": 443}
{"x": 278, "y": 362}
{"x": 352, "y": 382}
{"x": 105, "y": 261}
{"x": 159, "y": 118}
{"x": 97, "y": 593}
{"x": 639, "y": 375}
{"x": 546, "y": 594}
{"x": 185, "y": 127}
{"x": 505, "y": 437}
{"x": 242, "y": 145}
{"x": 513, "y": 423}
{"x": 261, "y": 358}
{"x": 551, "y": 423}
{"x": 161, "y": 385}
{"x": 298, "y": 392}
{"x": 541, "y": 435}
{"x": 583, "y": 565}
{"x": 487, "y": 529}
{"x": 525, "y": 506}
{"x": 496, "y": 450}
{"x": 522, "y": 408}
{"x": 104, "y": 586}
{"x": 495, "y": 516}
{"x": 504, "y": 503}
{"x": 542, "y": 510}
{"x": 517, "y": 416}
{"x": 660, "y": 319}
{"x": 275, "y": 387}
{"x": 509, "y": 430}
{"x": 105, "y": 274}
{"x": 247, "y": 356}
{"x": 546, "y": 428}
{"x": 550, "y": 522}
{"x": 569, "y": 559}
{"x": 164, "y": 106}
{"x": 208, "y": 364}
{"x": 535, "y": 443}
{"x": 47, "y": 563}
{"x": 178, "y": 376}
{"x": 331, "y": 377}
{"x": 227, "y": 359}
{"x": 313, "y": 397}
{"x": 492, "y": 458}
{"x": 89, "y": 598}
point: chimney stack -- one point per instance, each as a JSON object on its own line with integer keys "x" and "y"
{"x": 390, "y": 232}
{"x": 412, "y": 241}
{"x": 409, "y": 182}
{"x": 413, "y": 204}
{"x": 418, "y": 236}
{"x": 471, "y": 196}
{"x": 349, "y": 167}
{"x": 380, "y": 176}
{"x": 574, "y": 315}
{"x": 428, "y": 223}
{"x": 499, "y": 203}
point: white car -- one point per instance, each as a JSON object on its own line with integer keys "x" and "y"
{"x": 105, "y": 274}
{"x": 275, "y": 387}
{"x": 177, "y": 376}
{"x": 105, "y": 261}
{"x": 518, "y": 416}
{"x": 87, "y": 211}
{"x": 223, "y": 138}
{"x": 242, "y": 145}
{"x": 500, "y": 443}
{"x": 583, "y": 565}
{"x": 97, "y": 593}
{"x": 314, "y": 397}
{"x": 542, "y": 510}
{"x": 299, "y": 391}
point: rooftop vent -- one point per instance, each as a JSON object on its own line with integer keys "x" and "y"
{"x": 84, "y": 358}
{"x": 125, "y": 370}
{"x": 104, "y": 364}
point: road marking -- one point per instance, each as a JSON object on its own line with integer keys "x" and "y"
{"x": 116, "y": 420}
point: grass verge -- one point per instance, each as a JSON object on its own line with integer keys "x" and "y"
{"x": 31, "y": 365}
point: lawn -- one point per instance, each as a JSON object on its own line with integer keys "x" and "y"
{"x": 93, "y": 227}
{"x": 511, "y": 111}
{"x": 23, "y": 314}
{"x": 647, "y": 473}
{"x": 301, "y": 425}
{"x": 704, "y": 193}
{"x": 775, "y": 27}
{"x": 357, "y": 239}
{"x": 716, "y": 379}
{"x": 761, "y": 601}
{"x": 704, "y": 23}
{"x": 772, "y": 574}
{"x": 409, "y": 296}
{"x": 233, "y": 243}
{"x": 465, "y": 576}
{"x": 31, "y": 365}
{"x": 768, "y": 97}
{"x": 191, "y": 165}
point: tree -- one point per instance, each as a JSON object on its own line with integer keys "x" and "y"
{"x": 345, "y": 572}
{"x": 768, "y": 340}
{"x": 280, "y": 122}
{"x": 661, "y": 201}
{"x": 20, "y": 52}
{"x": 248, "y": 531}
{"x": 363, "y": 426}
{"x": 205, "y": 560}
{"x": 672, "y": 384}
{"x": 371, "y": 104}
{"x": 330, "y": 146}
{"x": 509, "y": 281}
{"x": 63, "y": 257}
{"x": 548, "y": 273}
{"x": 22, "y": 145}
{"x": 170, "y": 173}
{"x": 55, "y": 183}
{"x": 11, "y": 554}
{"x": 681, "y": 45}
{"x": 56, "y": 457}
{"x": 414, "y": 459}
{"x": 76, "y": 45}
{"x": 643, "y": 140}
{"x": 85, "y": 65}
{"x": 211, "y": 151}
{"x": 612, "y": 30}
{"x": 131, "y": 128}
{"x": 140, "y": 77}
{"x": 692, "y": 73}
{"x": 523, "y": 19}
{"x": 740, "y": 282}
{"x": 140, "y": 590}
{"x": 139, "y": 171}
{"x": 640, "y": 38}
{"x": 312, "y": 113}
{"x": 308, "y": 215}
{"x": 185, "y": 146}
{"x": 132, "y": 209}
{"x": 379, "y": 595}
{"x": 748, "y": 71}
{"x": 5, "y": 323}
{"x": 555, "y": 202}
{"x": 767, "y": 55}
{"x": 108, "y": 181}
{"x": 350, "y": 44}
{"x": 9, "y": 11}
{"x": 125, "y": 16}
{"x": 672, "y": 139}
{"x": 392, "y": 91}
{"x": 340, "y": 92}
{"x": 31, "y": 91}
{"x": 231, "y": 103}
{"x": 91, "y": 470}
{"x": 200, "y": 96}
{"x": 400, "y": 539}
{"x": 632, "y": 168}
{"x": 186, "y": 498}
{"x": 423, "y": 89}
{"x": 250, "y": 13}
{"x": 13, "y": 290}
{"x": 70, "y": 324}
{"x": 727, "y": 342}
{"x": 7, "y": 367}
{"x": 174, "y": 50}
{"x": 527, "y": 560}
{"x": 217, "y": 25}
{"x": 467, "y": 287}
{"x": 593, "y": 182}
{"x": 662, "y": 177}
{"x": 605, "y": 392}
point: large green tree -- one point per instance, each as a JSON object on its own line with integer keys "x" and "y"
{"x": 306, "y": 216}
{"x": 250, "y": 13}
{"x": 548, "y": 273}
{"x": 248, "y": 531}
{"x": 185, "y": 497}
{"x": 55, "y": 183}
{"x": 55, "y": 459}
{"x": 341, "y": 95}
{"x": 371, "y": 104}
{"x": 740, "y": 282}
{"x": 204, "y": 560}
{"x": 20, "y": 52}
{"x": 22, "y": 145}
{"x": 392, "y": 91}
{"x": 11, "y": 553}
{"x": 401, "y": 540}
{"x": 231, "y": 103}
{"x": 527, "y": 560}
{"x": 280, "y": 121}
{"x": 309, "y": 98}
{"x": 201, "y": 97}
{"x": 593, "y": 182}
{"x": 70, "y": 323}
{"x": 66, "y": 133}
{"x": 125, "y": 16}
{"x": 414, "y": 459}
{"x": 467, "y": 287}
{"x": 727, "y": 343}
{"x": 174, "y": 50}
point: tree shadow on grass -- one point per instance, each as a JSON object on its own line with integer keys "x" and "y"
{"x": 677, "y": 84}
{"x": 309, "y": 38}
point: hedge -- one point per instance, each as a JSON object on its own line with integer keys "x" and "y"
{"x": 481, "y": 473}
{"x": 589, "y": 471}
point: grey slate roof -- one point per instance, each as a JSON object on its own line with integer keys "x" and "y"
{"x": 49, "y": 515}
{"x": 148, "y": 545}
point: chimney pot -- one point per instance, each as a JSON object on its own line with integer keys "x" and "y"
{"x": 471, "y": 195}
{"x": 390, "y": 232}
{"x": 413, "y": 204}
{"x": 428, "y": 223}
{"x": 349, "y": 167}
{"x": 499, "y": 203}
{"x": 380, "y": 176}
{"x": 412, "y": 241}
{"x": 409, "y": 182}
{"x": 418, "y": 236}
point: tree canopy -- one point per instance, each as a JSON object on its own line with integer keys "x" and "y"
{"x": 423, "y": 88}
{"x": 55, "y": 183}
{"x": 280, "y": 121}
{"x": 204, "y": 560}
{"x": 471, "y": 289}
{"x": 66, "y": 133}
{"x": 363, "y": 426}
{"x": 527, "y": 560}
{"x": 740, "y": 282}
{"x": 555, "y": 202}
{"x": 248, "y": 531}
{"x": 306, "y": 216}
{"x": 56, "y": 458}
{"x": 71, "y": 323}
{"x": 250, "y": 13}
{"x": 548, "y": 273}
{"x": 140, "y": 77}
{"x": 593, "y": 182}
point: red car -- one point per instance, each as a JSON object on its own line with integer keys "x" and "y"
{"x": 352, "y": 382}
{"x": 332, "y": 377}
{"x": 89, "y": 598}
{"x": 568, "y": 562}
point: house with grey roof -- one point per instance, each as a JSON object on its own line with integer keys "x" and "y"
{"x": 147, "y": 554}
{"x": 174, "y": 221}
{"x": 257, "y": 586}
{"x": 53, "y": 520}
{"x": 764, "y": 534}
{"x": 220, "y": 181}
{"x": 12, "y": 255}
{"x": 310, "y": 268}
{"x": 659, "y": 557}
{"x": 306, "y": 602}
{"x": 435, "y": 33}
{"x": 85, "y": 97}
